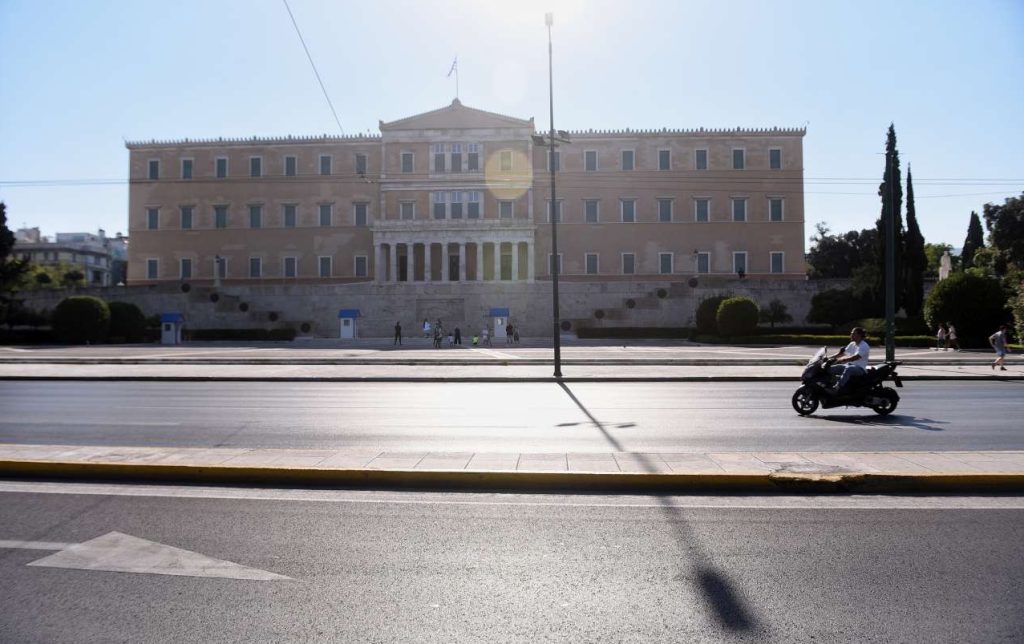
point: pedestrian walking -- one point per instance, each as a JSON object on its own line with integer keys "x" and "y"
{"x": 998, "y": 340}
{"x": 509, "y": 330}
{"x": 426, "y": 328}
{"x": 485, "y": 337}
{"x": 515, "y": 336}
{"x": 951, "y": 338}
{"x": 940, "y": 338}
{"x": 437, "y": 337}
{"x": 458, "y": 336}
{"x": 398, "y": 334}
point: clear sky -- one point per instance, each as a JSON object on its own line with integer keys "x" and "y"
{"x": 79, "y": 77}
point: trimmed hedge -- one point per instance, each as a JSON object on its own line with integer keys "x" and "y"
{"x": 81, "y": 318}
{"x": 259, "y": 335}
{"x": 127, "y": 323}
{"x": 706, "y": 318}
{"x": 818, "y": 340}
{"x": 737, "y": 316}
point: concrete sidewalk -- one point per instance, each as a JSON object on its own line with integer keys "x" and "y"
{"x": 796, "y": 472}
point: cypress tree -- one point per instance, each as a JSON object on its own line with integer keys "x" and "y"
{"x": 891, "y": 193}
{"x": 975, "y": 241}
{"x": 914, "y": 258}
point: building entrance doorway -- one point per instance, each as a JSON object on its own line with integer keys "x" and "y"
{"x": 453, "y": 268}
{"x": 403, "y": 268}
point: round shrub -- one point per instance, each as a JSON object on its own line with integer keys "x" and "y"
{"x": 127, "y": 323}
{"x": 737, "y": 316}
{"x": 975, "y": 305}
{"x": 707, "y": 314}
{"x": 81, "y": 318}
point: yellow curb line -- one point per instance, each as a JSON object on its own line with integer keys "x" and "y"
{"x": 626, "y": 482}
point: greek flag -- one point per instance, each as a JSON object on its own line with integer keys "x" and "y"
{"x": 455, "y": 67}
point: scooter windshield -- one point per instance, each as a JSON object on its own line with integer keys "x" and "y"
{"x": 817, "y": 356}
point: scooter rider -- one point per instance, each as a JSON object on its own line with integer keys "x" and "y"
{"x": 852, "y": 360}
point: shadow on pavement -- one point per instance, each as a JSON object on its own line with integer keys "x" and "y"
{"x": 729, "y": 608}
{"x": 895, "y": 420}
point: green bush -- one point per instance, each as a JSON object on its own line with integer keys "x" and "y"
{"x": 817, "y": 340}
{"x": 975, "y": 305}
{"x": 837, "y": 306}
{"x": 81, "y": 318}
{"x": 737, "y": 316}
{"x": 876, "y": 326}
{"x": 707, "y": 314}
{"x": 127, "y": 323}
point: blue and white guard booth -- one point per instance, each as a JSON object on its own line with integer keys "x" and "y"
{"x": 347, "y": 323}
{"x": 499, "y": 318}
{"x": 170, "y": 328}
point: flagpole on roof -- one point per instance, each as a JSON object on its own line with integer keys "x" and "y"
{"x": 455, "y": 69}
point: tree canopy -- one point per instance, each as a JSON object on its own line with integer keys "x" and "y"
{"x": 1005, "y": 225}
{"x": 839, "y": 256}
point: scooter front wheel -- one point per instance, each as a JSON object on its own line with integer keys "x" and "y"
{"x": 805, "y": 401}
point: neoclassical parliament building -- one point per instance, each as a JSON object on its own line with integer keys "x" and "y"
{"x": 462, "y": 196}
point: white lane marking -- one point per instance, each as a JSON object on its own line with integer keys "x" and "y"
{"x": 496, "y": 354}
{"x": 855, "y": 502}
{"x": 34, "y": 545}
{"x": 119, "y": 552}
{"x": 105, "y": 423}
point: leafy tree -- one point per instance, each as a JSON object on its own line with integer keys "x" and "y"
{"x": 914, "y": 257}
{"x": 891, "y": 193}
{"x": 11, "y": 269}
{"x": 737, "y": 316}
{"x": 776, "y": 311}
{"x": 1005, "y": 226}
{"x": 933, "y": 254}
{"x": 73, "y": 277}
{"x": 81, "y": 319}
{"x": 839, "y": 256}
{"x": 975, "y": 305}
{"x": 975, "y": 240}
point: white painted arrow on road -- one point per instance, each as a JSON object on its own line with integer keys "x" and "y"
{"x": 118, "y": 552}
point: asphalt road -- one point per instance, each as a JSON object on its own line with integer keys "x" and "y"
{"x": 472, "y": 568}
{"x": 519, "y": 417}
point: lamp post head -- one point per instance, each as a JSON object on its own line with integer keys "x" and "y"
{"x": 549, "y": 19}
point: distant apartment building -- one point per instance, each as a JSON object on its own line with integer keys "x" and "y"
{"x": 460, "y": 194}
{"x": 90, "y": 253}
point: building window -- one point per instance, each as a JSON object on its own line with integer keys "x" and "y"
{"x": 628, "y": 207}
{"x": 703, "y": 262}
{"x": 665, "y": 210}
{"x": 505, "y": 209}
{"x": 775, "y": 159}
{"x": 739, "y": 209}
{"x": 473, "y": 158}
{"x": 456, "y": 157}
{"x": 439, "y": 157}
{"x": 360, "y": 164}
{"x": 702, "y": 210}
{"x": 628, "y": 263}
{"x": 552, "y": 266}
{"x": 738, "y": 159}
{"x": 290, "y": 267}
{"x": 152, "y": 218}
{"x": 326, "y": 214}
{"x": 406, "y": 162}
{"x": 557, "y": 165}
{"x": 558, "y": 210}
{"x": 592, "y": 211}
{"x": 590, "y": 160}
{"x": 185, "y": 268}
{"x": 360, "y": 266}
{"x": 739, "y": 262}
{"x": 154, "y": 169}
{"x": 255, "y": 216}
{"x": 775, "y": 210}
{"x": 778, "y": 261}
{"x": 665, "y": 263}
{"x": 628, "y": 159}
{"x": 289, "y": 215}
{"x": 152, "y": 268}
{"x": 220, "y": 167}
{"x": 291, "y": 166}
{"x": 440, "y": 207}
{"x": 664, "y": 160}
{"x": 701, "y": 159}
{"x": 220, "y": 216}
{"x": 186, "y": 217}
{"x": 361, "y": 212}
{"x": 255, "y": 166}
{"x": 473, "y": 208}
{"x": 255, "y": 267}
{"x": 455, "y": 210}
{"x": 506, "y": 161}
{"x": 325, "y": 164}
{"x": 325, "y": 266}
{"x": 186, "y": 168}
{"x": 407, "y": 209}
{"x": 590, "y": 261}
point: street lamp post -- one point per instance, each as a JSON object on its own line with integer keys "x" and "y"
{"x": 549, "y": 19}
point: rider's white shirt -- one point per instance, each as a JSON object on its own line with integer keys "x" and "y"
{"x": 862, "y": 349}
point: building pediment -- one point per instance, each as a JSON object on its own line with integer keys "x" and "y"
{"x": 456, "y": 117}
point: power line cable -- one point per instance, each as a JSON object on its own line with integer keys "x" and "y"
{"x": 313, "y": 65}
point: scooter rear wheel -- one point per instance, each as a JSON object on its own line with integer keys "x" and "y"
{"x": 805, "y": 401}
{"x": 888, "y": 400}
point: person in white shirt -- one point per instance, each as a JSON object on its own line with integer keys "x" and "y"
{"x": 852, "y": 360}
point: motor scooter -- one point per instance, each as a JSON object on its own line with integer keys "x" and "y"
{"x": 818, "y": 388}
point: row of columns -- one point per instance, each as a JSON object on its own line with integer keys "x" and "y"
{"x": 392, "y": 273}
